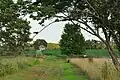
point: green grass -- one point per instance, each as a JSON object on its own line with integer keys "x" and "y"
{"x": 72, "y": 73}
{"x": 89, "y": 52}
{"x": 99, "y": 52}
{"x": 52, "y": 52}
{"x": 49, "y": 69}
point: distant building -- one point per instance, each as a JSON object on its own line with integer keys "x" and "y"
{"x": 40, "y": 44}
{"x": 42, "y": 47}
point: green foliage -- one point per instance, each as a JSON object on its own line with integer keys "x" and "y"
{"x": 94, "y": 44}
{"x": 72, "y": 41}
{"x": 13, "y": 29}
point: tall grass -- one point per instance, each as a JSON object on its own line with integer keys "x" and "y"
{"x": 11, "y": 65}
{"x": 99, "y": 69}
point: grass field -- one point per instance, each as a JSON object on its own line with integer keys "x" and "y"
{"x": 89, "y": 52}
{"x": 51, "y": 68}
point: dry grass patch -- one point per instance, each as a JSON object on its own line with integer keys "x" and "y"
{"x": 98, "y": 69}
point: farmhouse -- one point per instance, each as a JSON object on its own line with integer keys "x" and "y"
{"x": 42, "y": 47}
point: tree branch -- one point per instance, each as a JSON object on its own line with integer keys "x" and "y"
{"x": 83, "y": 28}
{"x": 80, "y": 26}
{"x": 43, "y": 29}
{"x": 87, "y": 26}
{"x": 92, "y": 8}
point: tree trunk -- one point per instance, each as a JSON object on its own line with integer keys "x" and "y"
{"x": 111, "y": 52}
{"x": 113, "y": 56}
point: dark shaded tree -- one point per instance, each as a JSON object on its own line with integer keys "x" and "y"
{"x": 94, "y": 44}
{"x": 88, "y": 44}
{"x": 72, "y": 41}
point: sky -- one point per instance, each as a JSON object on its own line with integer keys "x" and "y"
{"x": 52, "y": 34}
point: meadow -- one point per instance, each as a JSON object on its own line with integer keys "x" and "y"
{"x": 51, "y": 68}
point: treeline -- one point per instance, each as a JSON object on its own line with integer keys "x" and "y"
{"x": 95, "y": 44}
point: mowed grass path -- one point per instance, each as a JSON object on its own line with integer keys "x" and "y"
{"x": 49, "y": 69}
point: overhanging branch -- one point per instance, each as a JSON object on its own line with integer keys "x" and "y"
{"x": 83, "y": 28}
{"x": 92, "y": 8}
{"x": 43, "y": 28}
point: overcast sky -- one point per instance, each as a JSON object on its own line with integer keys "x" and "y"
{"x": 53, "y": 32}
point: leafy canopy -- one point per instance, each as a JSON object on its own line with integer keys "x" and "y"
{"x": 13, "y": 29}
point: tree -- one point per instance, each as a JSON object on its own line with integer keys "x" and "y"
{"x": 39, "y": 42}
{"x": 88, "y": 44}
{"x": 94, "y": 44}
{"x": 72, "y": 41}
{"x": 97, "y": 16}
{"x": 14, "y": 31}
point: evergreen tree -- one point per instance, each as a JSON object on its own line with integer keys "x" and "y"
{"x": 72, "y": 41}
